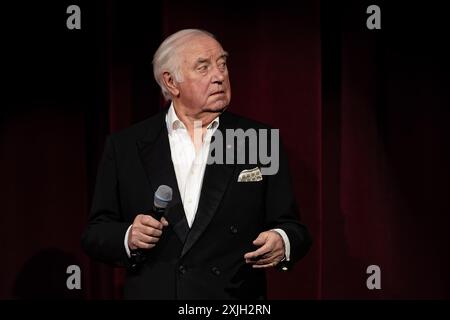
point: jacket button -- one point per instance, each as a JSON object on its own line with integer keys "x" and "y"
{"x": 182, "y": 269}
{"x": 216, "y": 271}
{"x": 233, "y": 230}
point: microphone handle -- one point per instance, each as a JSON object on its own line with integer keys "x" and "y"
{"x": 156, "y": 212}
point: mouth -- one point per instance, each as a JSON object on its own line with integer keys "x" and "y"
{"x": 217, "y": 93}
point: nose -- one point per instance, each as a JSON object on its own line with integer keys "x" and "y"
{"x": 218, "y": 75}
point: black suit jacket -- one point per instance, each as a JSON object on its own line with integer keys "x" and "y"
{"x": 206, "y": 261}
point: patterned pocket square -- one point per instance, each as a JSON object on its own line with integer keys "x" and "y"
{"x": 250, "y": 175}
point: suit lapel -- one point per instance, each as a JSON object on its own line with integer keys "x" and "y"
{"x": 215, "y": 182}
{"x": 155, "y": 155}
{"x": 154, "y": 151}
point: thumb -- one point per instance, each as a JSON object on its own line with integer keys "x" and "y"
{"x": 261, "y": 239}
{"x": 164, "y": 222}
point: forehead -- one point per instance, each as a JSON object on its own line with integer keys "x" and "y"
{"x": 201, "y": 47}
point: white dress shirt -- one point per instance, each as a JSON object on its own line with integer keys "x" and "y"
{"x": 189, "y": 163}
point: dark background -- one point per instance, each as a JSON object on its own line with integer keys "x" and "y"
{"x": 363, "y": 113}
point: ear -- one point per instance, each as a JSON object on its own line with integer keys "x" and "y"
{"x": 171, "y": 84}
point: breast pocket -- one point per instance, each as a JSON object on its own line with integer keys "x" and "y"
{"x": 251, "y": 191}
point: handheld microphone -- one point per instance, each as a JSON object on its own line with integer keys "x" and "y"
{"x": 162, "y": 198}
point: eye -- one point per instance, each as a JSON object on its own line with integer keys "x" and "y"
{"x": 223, "y": 65}
{"x": 202, "y": 68}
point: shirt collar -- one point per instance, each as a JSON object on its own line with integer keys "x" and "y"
{"x": 174, "y": 123}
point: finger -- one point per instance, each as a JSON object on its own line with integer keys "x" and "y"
{"x": 142, "y": 245}
{"x": 261, "y": 239}
{"x": 259, "y": 261}
{"x": 275, "y": 255}
{"x": 255, "y": 254}
{"x": 138, "y": 235}
{"x": 270, "y": 254}
{"x": 164, "y": 222}
{"x": 149, "y": 231}
{"x": 147, "y": 239}
{"x": 273, "y": 259}
{"x": 151, "y": 222}
{"x": 131, "y": 245}
{"x": 269, "y": 265}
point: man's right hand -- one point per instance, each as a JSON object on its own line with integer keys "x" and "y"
{"x": 145, "y": 232}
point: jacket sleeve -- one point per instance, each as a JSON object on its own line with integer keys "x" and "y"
{"x": 103, "y": 238}
{"x": 282, "y": 210}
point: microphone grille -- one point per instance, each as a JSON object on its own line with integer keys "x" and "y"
{"x": 163, "y": 196}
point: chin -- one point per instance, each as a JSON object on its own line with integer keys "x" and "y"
{"x": 217, "y": 107}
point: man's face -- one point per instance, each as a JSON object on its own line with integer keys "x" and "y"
{"x": 205, "y": 86}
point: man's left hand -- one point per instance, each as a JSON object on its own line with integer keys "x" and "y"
{"x": 270, "y": 251}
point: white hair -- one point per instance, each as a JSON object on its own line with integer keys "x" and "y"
{"x": 166, "y": 58}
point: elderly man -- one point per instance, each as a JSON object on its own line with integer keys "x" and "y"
{"x": 226, "y": 222}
